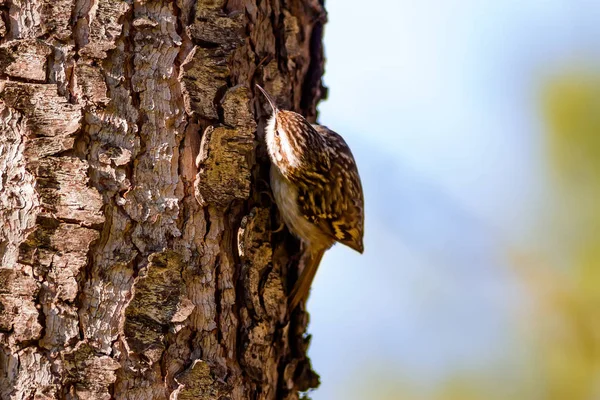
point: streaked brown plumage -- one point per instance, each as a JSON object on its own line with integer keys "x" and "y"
{"x": 317, "y": 189}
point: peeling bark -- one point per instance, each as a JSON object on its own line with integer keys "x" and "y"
{"x": 136, "y": 245}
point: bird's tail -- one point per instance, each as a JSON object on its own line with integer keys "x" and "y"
{"x": 309, "y": 262}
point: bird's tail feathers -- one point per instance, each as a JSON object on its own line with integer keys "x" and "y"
{"x": 309, "y": 262}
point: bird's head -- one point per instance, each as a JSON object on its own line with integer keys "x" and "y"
{"x": 288, "y": 136}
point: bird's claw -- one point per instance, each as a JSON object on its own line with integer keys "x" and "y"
{"x": 280, "y": 228}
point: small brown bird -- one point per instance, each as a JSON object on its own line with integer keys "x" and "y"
{"x": 317, "y": 189}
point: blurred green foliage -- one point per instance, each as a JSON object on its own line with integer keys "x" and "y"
{"x": 568, "y": 298}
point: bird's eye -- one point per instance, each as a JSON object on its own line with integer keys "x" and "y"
{"x": 277, "y": 133}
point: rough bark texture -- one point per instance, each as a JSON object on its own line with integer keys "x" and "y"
{"x": 136, "y": 245}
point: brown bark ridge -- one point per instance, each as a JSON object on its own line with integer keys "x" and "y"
{"x": 138, "y": 259}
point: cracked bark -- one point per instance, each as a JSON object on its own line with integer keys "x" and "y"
{"x": 136, "y": 246}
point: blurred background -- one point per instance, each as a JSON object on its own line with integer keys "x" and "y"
{"x": 476, "y": 128}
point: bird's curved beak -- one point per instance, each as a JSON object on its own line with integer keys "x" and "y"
{"x": 269, "y": 99}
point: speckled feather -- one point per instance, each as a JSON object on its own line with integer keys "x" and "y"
{"x": 334, "y": 200}
{"x": 329, "y": 190}
{"x": 316, "y": 186}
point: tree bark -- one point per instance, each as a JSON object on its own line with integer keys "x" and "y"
{"x": 138, "y": 259}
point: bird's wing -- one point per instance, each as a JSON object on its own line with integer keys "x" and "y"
{"x": 336, "y": 204}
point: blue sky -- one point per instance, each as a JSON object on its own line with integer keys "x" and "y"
{"x": 439, "y": 101}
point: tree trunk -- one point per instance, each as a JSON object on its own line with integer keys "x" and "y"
{"x": 138, "y": 259}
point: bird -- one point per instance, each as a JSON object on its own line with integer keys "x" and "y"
{"x": 316, "y": 187}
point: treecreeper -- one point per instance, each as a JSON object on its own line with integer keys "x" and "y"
{"x": 316, "y": 187}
